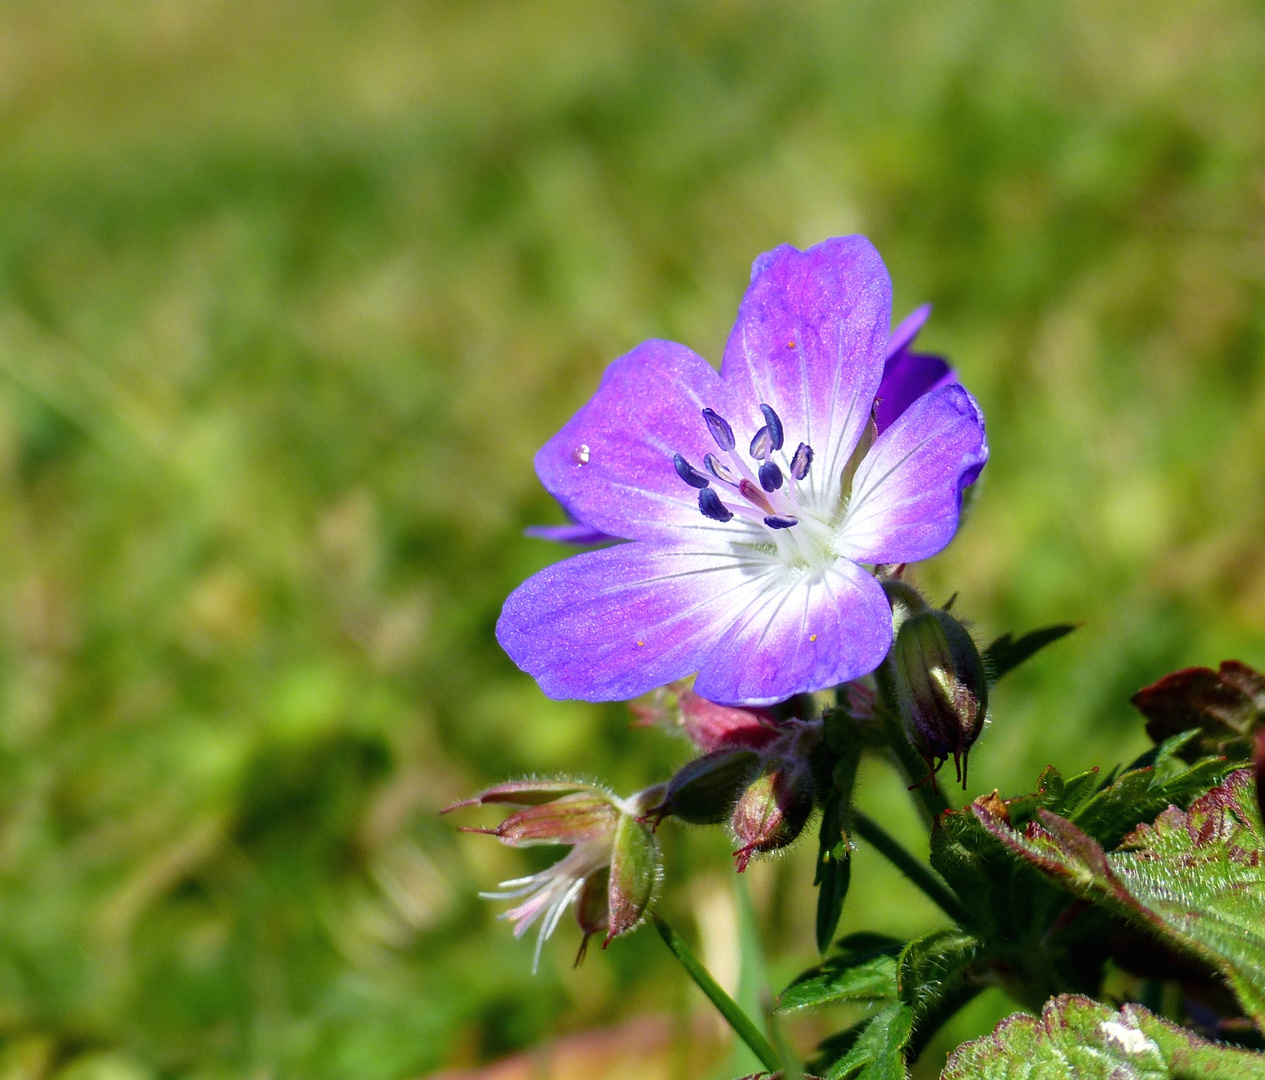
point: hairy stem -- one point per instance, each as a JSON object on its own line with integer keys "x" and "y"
{"x": 744, "y": 1027}
{"x": 923, "y": 876}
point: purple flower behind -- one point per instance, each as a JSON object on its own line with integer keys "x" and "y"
{"x": 754, "y": 499}
{"x": 908, "y": 375}
{"x": 572, "y": 533}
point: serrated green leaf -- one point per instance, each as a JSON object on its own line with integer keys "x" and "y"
{"x": 1008, "y": 652}
{"x": 855, "y": 977}
{"x": 879, "y": 1050}
{"x": 1194, "y": 878}
{"x": 933, "y": 977}
{"x": 1077, "y": 1037}
{"x": 1022, "y": 915}
{"x": 1139, "y": 795}
{"x": 1075, "y": 791}
{"x": 868, "y": 941}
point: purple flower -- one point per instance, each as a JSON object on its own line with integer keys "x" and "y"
{"x": 754, "y": 498}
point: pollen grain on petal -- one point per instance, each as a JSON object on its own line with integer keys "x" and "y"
{"x": 581, "y": 454}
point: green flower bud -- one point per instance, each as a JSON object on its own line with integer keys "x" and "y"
{"x": 703, "y": 792}
{"x": 773, "y": 809}
{"x": 611, "y": 872}
{"x": 634, "y": 877}
{"x": 941, "y": 687}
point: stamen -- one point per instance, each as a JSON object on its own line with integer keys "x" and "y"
{"x": 775, "y": 426}
{"x": 688, "y": 473}
{"x": 770, "y": 476}
{"x": 719, "y": 470}
{"x": 802, "y": 461}
{"x": 711, "y": 506}
{"x": 720, "y": 429}
{"x": 780, "y": 522}
{"x": 761, "y": 444}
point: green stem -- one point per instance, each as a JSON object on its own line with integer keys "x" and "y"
{"x": 743, "y": 1025}
{"x": 923, "y": 876}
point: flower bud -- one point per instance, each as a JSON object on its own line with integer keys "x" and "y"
{"x": 634, "y": 877}
{"x": 905, "y": 601}
{"x": 941, "y": 687}
{"x": 708, "y": 725}
{"x": 571, "y": 819}
{"x": 703, "y": 792}
{"x": 773, "y": 809}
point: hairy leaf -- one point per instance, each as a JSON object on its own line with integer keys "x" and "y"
{"x": 1195, "y": 878}
{"x": 1077, "y": 1037}
{"x": 934, "y": 979}
{"x": 853, "y": 977}
{"x": 1008, "y": 652}
{"x": 1138, "y": 795}
{"x": 879, "y": 1050}
{"x": 1040, "y": 939}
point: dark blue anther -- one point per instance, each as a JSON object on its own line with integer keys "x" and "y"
{"x": 709, "y": 502}
{"x": 802, "y": 461}
{"x": 761, "y": 444}
{"x": 770, "y": 476}
{"x": 775, "y": 426}
{"x": 778, "y": 522}
{"x": 718, "y": 470}
{"x": 720, "y": 429}
{"x": 688, "y": 473}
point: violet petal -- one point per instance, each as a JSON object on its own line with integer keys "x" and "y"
{"x": 907, "y": 494}
{"x": 616, "y": 623}
{"x": 906, "y": 378}
{"x": 810, "y": 341}
{"x": 574, "y": 533}
{"x": 903, "y": 336}
{"x": 816, "y": 630}
{"x": 611, "y": 465}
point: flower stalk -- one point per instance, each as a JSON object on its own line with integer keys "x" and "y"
{"x": 744, "y": 1027}
{"x": 917, "y": 872}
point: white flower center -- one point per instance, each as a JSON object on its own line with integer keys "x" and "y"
{"x": 767, "y": 501}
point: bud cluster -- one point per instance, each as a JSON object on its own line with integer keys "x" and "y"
{"x": 766, "y": 793}
{"x": 761, "y": 775}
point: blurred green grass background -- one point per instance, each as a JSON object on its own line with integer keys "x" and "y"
{"x": 291, "y": 292}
